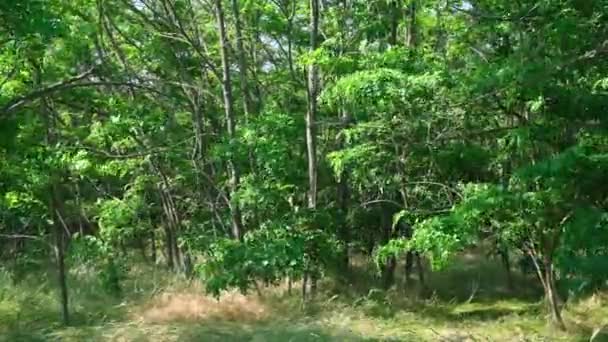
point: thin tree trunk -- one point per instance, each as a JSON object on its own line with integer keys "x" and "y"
{"x": 153, "y": 245}
{"x": 409, "y": 266}
{"x": 539, "y": 271}
{"x": 410, "y": 38}
{"x": 15, "y": 258}
{"x": 304, "y": 287}
{"x": 248, "y": 106}
{"x": 179, "y": 263}
{"x": 141, "y": 242}
{"x": 388, "y": 269}
{"x": 237, "y": 231}
{"x": 175, "y": 223}
{"x": 169, "y": 246}
{"x": 61, "y": 273}
{"x": 311, "y": 144}
{"x": 168, "y": 227}
{"x": 342, "y": 189}
{"x": 54, "y": 205}
{"x": 388, "y": 273}
{"x": 344, "y": 229}
{"x": 242, "y": 62}
{"x": 506, "y": 261}
{"x": 395, "y": 16}
{"x": 60, "y": 256}
{"x": 313, "y": 80}
{"x": 188, "y": 265}
{"x": 552, "y": 295}
{"x": 420, "y": 270}
{"x": 547, "y": 279}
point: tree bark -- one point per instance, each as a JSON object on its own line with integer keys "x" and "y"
{"x": 242, "y": 61}
{"x": 388, "y": 269}
{"x": 552, "y": 295}
{"x": 344, "y": 233}
{"x": 54, "y": 205}
{"x": 153, "y": 245}
{"x": 342, "y": 186}
{"x": 304, "y": 287}
{"x": 313, "y": 81}
{"x": 411, "y": 35}
{"x": 169, "y": 246}
{"x": 547, "y": 279}
{"x": 237, "y": 231}
{"x": 420, "y": 270}
{"x": 311, "y": 144}
{"x": 506, "y": 261}
{"x": 60, "y": 258}
{"x": 395, "y": 8}
{"x": 409, "y": 266}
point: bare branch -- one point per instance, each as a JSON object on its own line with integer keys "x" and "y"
{"x": 18, "y": 102}
{"x": 70, "y": 84}
{"x": 26, "y": 237}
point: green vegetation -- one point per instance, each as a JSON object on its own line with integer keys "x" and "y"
{"x": 470, "y": 301}
{"x": 328, "y": 169}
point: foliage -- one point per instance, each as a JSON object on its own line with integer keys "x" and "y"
{"x": 269, "y": 254}
{"x": 229, "y": 137}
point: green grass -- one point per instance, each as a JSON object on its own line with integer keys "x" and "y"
{"x": 465, "y": 302}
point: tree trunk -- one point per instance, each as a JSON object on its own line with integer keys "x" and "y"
{"x": 388, "y": 269}
{"x": 304, "y": 286}
{"x": 188, "y": 264}
{"x": 395, "y": 16}
{"x": 313, "y": 80}
{"x": 506, "y": 262}
{"x": 237, "y": 231}
{"x": 553, "y": 299}
{"x": 169, "y": 246}
{"x": 343, "y": 189}
{"x": 388, "y": 273}
{"x": 410, "y": 38}
{"x": 54, "y": 205}
{"x": 172, "y": 261}
{"x": 153, "y": 245}
{"x": 60, "y": 258}
{"x": 409, "y": 266}
{"x": 141, "y": 242}
{"x": 311, "y": 144}
{"x": 420, "y": 270}
{"x": 547, "y": 279}
{"x": 246, "y": 95}
{"x": 344, "y": 233}
{"x": 247, "y": 107}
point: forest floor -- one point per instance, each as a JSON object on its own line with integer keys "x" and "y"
{"x": 468, "y": 302}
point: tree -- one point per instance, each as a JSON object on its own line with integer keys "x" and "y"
{"x": 271, "y": 137}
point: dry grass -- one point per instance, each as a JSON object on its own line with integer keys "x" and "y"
{"x": 160, "y": 306}
{"x": 191, "y": 305}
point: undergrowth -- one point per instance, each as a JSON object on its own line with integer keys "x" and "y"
{"x": 156, "y": 305}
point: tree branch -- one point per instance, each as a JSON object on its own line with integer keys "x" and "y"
{"x": 23, "y": 236}
{"x": 68, "y": 83}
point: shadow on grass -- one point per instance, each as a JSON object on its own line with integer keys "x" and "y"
{"x": 268, "y": 332}
{"x": 471, "y": 289}
{"x": 468, "y": 277}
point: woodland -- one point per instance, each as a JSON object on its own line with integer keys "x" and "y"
{"x": 290, "y": 170}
